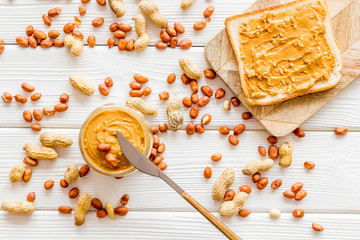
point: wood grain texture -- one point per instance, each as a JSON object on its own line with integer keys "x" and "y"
{"x": 187, "y": 156}
{"x": 282, "y": 118}
{"x": 50, "y": 77}
{"x": 177, "y": 226}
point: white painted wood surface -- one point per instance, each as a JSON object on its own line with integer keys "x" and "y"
{"x": 156, "y": 212}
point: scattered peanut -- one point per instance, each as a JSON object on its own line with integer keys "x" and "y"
{"x": 185, "y": 4}
{"x": 125, "y": 199}
{"x": 256, "y": 177}
{"x": 224, "y": 182}
{"x": 152, "y": 11}
{"x": 274, "y": 213}
{"x": 175, "y": 117}
{"x": 276, "y": 184}
{"x": 31, "y": 197}
{"x": 299, "y": 213}
{"x": 83, "y": 205}
{"x": 224, "y": 130}
{"x": 55, "y": 139}
{"x": 244, "y": 213}
{"x": 289, "y": 194}
{"x": 189, "y": 69}
{"x": 7, "y": 97}
{"x": 216, "y": 157}
{"x": 103, "y": 89}
{"x": 209, "y": 11}
{"x": 82, "y": 85}
{"x": 27, "y": 175}
{"x": 179, "y": 28}
{"x": 262, "y": 151}
{"x": 48, "y": 184}
{"x": 16, "y": 173}
{"x": 74, "y": 192}
{"x": 64, "y": 209}
{"x": 36, "y": 152}
{"x": 203, "y": 101}
{"x": 71, "y": 174}
{"x": 164, "y": 96}
{"x": 245, "y": 188}
{"x": 140, "y": 26}
{"x": 309, "y": 165}
{"x": 207, "y": 172}
{"x": 194, "y": 112}
{"x": 143, "y": 107}
{"x": 91, "y": 40}
{"x": 273, "y": 152}
{"x": 285, "y": 151}
{"x": 232, "y": 207}
{"x": 246, "y": 115}
{"x": 84, "y": 170}
{"x": 317, "y": 227}
{"x": 190, "y": 128}
{"x": 233, "y": 140}
{"x": 22, "y": 42}
{"x": 22, "y": 207}
{"x": 63, "y": 183}
{"x": 35, "y": 96}
{"x": 36, "y": 127}
{"x": 300, "y": 194}
{"x": 30, "y": 162}
{"x": 174, "y": 42}
{"x": 220, "y": 93}
{"x": 20, "y": 98}
{"x": 199, "y": 25}
{"x": 296, "y": 186}
{"x": 96, "y": 203}
{"x": 82, "y": 10}
{"x": 341, "y": 131}
{"x": 27, "y": 116}
{"x": 298, "y": 132}
{"x": 76, "y": 46}
{"x": 61, "y": 107}
{"x": 122, "y": 211}
{"x": 229, "y": 195}
{"x": 194, "y": 86}
{"x": 257, "y": 165}
{"x": 117, "y": 6}
{"x": 262, "y": 183}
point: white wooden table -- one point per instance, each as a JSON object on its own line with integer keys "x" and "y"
{"x": 156, "y": 211}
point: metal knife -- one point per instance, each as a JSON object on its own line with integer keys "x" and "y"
{"x": 139, "y": 161}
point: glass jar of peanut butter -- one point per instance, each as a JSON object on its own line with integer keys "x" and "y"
{"x": 99, "y": 145}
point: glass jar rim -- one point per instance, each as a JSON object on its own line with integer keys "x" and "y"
{"x": 139, "y": 117}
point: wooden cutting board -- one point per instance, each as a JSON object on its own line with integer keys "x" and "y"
{"x": 282, "y": 118}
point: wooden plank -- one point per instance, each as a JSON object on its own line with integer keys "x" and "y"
{"x": 177, "y": 226}
{"x": 282, "y": 118}
{"x": 30, "y": 12}
{"x": 96, "y": 64}
{"x": 187, "y": 156}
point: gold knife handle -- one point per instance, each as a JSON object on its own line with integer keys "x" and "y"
{"x": 216, "y": 222}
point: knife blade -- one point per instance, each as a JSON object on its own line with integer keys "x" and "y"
{"x": 145, "y": 165}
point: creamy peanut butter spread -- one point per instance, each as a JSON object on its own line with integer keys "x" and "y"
{"x": 102, "y": 127}
{"x": 285, "y": 52}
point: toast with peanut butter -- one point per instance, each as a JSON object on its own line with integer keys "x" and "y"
{"x": 285, "y": 51}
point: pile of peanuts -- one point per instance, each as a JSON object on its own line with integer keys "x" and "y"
{"x": 297, "y": 192}
{"x": 169, "y": 37}
{"x": 38, "y": 114}
{"x": 158, "y": 148}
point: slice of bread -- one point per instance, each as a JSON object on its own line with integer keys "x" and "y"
{"x": 232, "y": 27}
